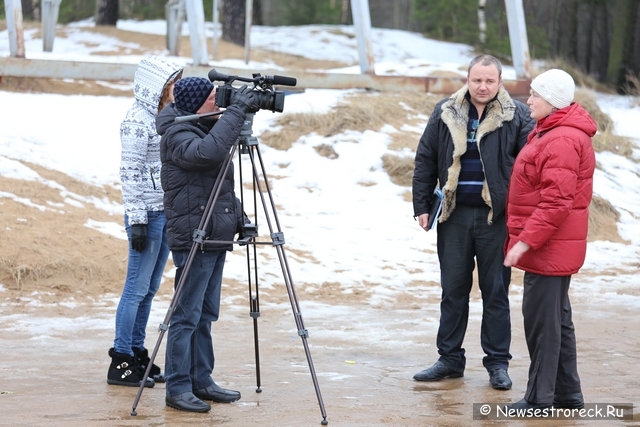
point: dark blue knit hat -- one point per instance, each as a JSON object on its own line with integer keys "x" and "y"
{"x": 190, "y": 93}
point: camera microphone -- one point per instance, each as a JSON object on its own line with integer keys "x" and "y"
{"x": 276, "y": 80}
{"x": 282, "y": 80}
{"x": 216, "y": 76}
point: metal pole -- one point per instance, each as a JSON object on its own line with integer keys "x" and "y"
{"x": 216, "y": 25}
{"x": 248, "y": 16}
{"x": 362, "y": 25}
{"x": 13, "y": 12}
{"x": 518, "y": 38}
{"x": 174, "y": 11}
{"x": 55, "y": 69}
{"x": 195, "y": 16}
{"x": 49, "y": 19}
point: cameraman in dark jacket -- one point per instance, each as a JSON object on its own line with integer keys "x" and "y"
{"x": 468, "y": 148}
{"x": 193, "y": 154}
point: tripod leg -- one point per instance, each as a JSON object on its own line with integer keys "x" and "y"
{"x": 198, "y": 239}
{"x": 278, "y": 241}
{"x": 254, "y": 298}
{"x": 302, "y": 331}
{"x": 147, "y": 371}
{"x": 164, "y": 326}
{"x": 254, "y": 312}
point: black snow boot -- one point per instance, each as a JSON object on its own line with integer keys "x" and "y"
{"x": 124, "y": 370}
{"x": 143, "y": 359}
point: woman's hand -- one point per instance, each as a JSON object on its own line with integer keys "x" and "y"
{"x": 515, "y": 253}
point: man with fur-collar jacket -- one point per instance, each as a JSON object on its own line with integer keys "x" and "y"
{"x": 467, "y": 150}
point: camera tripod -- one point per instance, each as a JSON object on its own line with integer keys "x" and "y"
{"x": 246, "y": 144}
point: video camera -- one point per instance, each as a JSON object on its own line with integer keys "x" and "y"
{"x": 266, "y": 96}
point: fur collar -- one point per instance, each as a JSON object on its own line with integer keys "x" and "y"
{"x": 455, "y": 115}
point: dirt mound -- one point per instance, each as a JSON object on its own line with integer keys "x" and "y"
{"x": 51, "y": 249}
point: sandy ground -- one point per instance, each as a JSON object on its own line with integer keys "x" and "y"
{"x": 54, "y": 362}
{"x": 58, "y": 304}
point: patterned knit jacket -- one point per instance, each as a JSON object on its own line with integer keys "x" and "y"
{"x": 140, "y": 158}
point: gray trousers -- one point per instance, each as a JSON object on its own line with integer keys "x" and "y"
{"x": 551, "y": 338}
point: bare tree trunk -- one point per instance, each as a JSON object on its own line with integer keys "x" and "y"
{"x": 601, "y": 37}
{"x": 28, "y": 10}
{"x": 36, "y": 10}
{"x": 257, "y": 13}
{"x": 232, "y": 19}
{"x": 549, "y": 15}
{"x": 615, "y": 68}
{"x": 634, "y": 51}
{"x": 107, "y": 12}
{"x": 598, "y": 49}
{"x": 583, "y": 41}
{"x": 345, "y": 15}
{"x": 482, "y": 23}
{"x": 567, "y": 25}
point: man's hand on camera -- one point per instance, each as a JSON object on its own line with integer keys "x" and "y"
{"x": 244, "y": 98}
{"x": 139, "y": 237}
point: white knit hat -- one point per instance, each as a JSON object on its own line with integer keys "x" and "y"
{"x": 556, "y": 87}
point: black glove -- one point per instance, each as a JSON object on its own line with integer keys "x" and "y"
{"x": 244, "y": 98}
{"x": 139, "y": 237}
{"x": 247, "y": 232}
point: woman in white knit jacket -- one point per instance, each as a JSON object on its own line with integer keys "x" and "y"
{"x": 144, "y": 220}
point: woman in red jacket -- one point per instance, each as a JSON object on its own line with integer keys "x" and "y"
{"x": 547, "y": 220}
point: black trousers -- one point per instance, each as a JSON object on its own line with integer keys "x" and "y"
{"x": 551, "y": 338}
{"x": 464, "y": 240}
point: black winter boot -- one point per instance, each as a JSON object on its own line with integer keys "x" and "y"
{"x": 143, "y": 359}
{"x": 124, "y": 370}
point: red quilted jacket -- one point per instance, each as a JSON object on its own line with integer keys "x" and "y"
{"x": 550, "y": 191}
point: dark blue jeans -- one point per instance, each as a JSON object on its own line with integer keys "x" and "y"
{"x": 464, "y": 240}
{"x": 189, "y": 355}
{"x": 144, "y": 274}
